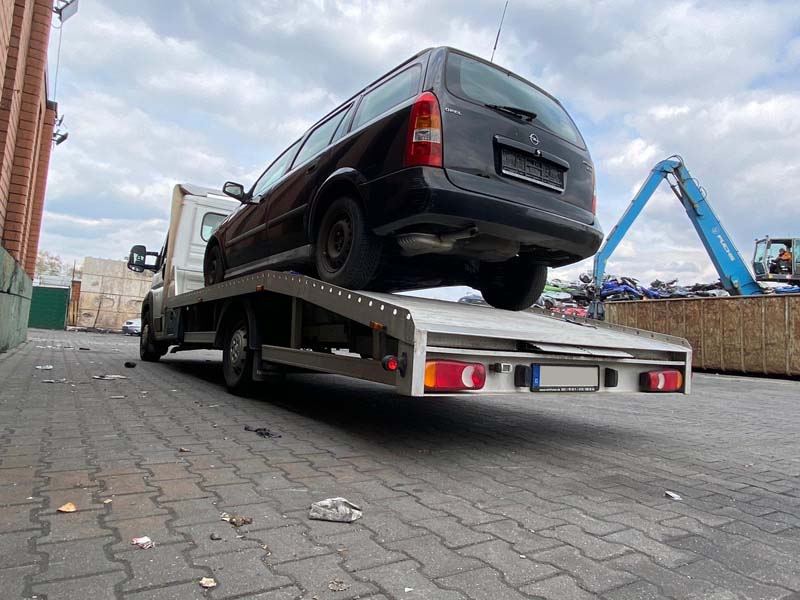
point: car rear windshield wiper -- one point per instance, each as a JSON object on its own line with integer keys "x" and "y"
{"x": 513, "y": 110}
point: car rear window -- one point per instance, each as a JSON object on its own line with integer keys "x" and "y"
{"x": 390, "y": 93}
{"x": 479, "y": 82}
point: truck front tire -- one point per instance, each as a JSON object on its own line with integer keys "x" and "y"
{"x": 149, "y": 349}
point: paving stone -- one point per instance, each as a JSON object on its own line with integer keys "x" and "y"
{"x": 291, "y": 543}
{"x": 453, "y": 533}
{"x": 91, "y": 586}
{"x": 14, "y": 549}
{"x": 659, "y": 552}
{"x": 670, "y": 582}
{"x": 436, "y": 559}
{"x": 162, "y": 565}
{"x": 389, "y": 528}
{"x": 523, "y": 540}
{"x": 481, "y": 584}
{"x": 727, "y": 579}
{"x": 155, "y": 527}
{"x": 591, "y": 546}
{"x": 12, "y": 580}
{"x": 558, "y": 588}
{"x": 588, "y": 523}
{"x": 593, "y": 576}
{"x": 639, "y": 590}
{"x": 72, "y": 526}
{"x": 398, "y": 577}
{"x": 315, "y": 574}
{"x": 359, "y": 551}
{"x": 77, "y": 558}
{"x": 516, "y": 568}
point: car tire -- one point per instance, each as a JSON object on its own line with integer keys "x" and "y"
{"x": 213, "y": 268}
{"x": 514, "y": 284}
{"x": 237, "y": 357}
{"x": 347, "y": 253}
{"x": 149, "y": 349}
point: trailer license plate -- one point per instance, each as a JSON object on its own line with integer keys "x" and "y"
{"x": 564, "y": 378}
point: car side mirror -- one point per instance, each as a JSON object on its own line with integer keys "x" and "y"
{"x": 234, "y": 190}
{"x": 137, "y": 259}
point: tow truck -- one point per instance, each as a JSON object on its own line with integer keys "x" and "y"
{"x": 273, "y": 322}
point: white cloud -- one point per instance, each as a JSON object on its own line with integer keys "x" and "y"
{"x": 154, "y": 95}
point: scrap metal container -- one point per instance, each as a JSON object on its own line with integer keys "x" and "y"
{"x": 739, "y": 334}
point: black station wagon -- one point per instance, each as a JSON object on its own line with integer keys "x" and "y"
{"x": 447, "y": 170}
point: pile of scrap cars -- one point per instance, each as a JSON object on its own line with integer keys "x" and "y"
{"x": 572, "y": 298}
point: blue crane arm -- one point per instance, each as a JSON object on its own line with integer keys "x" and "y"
{"x": 733, "y": 272}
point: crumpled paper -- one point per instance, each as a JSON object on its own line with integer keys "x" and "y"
{"x": 339, "y": 510}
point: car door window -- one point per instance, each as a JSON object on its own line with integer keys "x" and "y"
{"x": 274, "y": 171}
{"x": 342, "y": 128}
{"x": 320, "y": 138}
{"x": 389, "y": 94}
{"x": 209, "y": 225}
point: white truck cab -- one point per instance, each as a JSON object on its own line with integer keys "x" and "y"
{"x": 195, "y": 214}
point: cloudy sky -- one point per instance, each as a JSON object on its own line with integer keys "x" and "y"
{"x": 204, "y": 91}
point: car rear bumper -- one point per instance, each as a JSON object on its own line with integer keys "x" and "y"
{"x": 423, "y": 196}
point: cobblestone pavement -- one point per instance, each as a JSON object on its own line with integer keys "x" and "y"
{"x": 498, "y": 498}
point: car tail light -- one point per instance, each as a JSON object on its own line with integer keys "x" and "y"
{"x": 424, "y": 141}
{"x": 451, "y": 376}
{"x": 661, "y": 381}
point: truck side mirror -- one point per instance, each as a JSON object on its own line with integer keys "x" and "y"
{"x": 234, "y": 190}
{"x": 137, "y": 259}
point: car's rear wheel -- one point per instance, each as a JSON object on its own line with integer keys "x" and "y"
{"x": 149, "y": 349}
{"x": 514, "y": 284}
{"x": 347, "y": 252}
{"x": 237, "y": 357}
{"x": 213, "y": 269}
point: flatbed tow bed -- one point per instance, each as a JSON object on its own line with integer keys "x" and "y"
{"x": 276, "y": 321}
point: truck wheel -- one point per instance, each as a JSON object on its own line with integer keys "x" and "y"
{"x": 149, "y": 349}
{"x": 213, "y": 269}
{"x": 514, "y": 284}
{"x": 237, "y": 357}
{"x": 347, "y": 253}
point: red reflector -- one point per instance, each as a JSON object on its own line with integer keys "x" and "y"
{"x": 390, "y": 363}
{"x": 451, "y": 376}
{"x": 424, "y": 140}
{"x": 661, "y": 381}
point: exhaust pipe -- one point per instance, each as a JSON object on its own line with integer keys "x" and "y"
{"x": 414, "y": 244}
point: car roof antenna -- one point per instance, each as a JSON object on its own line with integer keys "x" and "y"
{"x": 497, "y": 39}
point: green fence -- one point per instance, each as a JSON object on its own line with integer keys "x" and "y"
{"x": 49, "y": 308}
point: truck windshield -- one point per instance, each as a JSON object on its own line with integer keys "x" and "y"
{"x": 479, "y": 82}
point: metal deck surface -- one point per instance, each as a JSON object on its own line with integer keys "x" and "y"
{"x": 439, "y": 316}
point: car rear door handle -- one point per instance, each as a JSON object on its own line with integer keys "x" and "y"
{"x": 312, "y": 166}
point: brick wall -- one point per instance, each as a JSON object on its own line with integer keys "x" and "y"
{"x": 26, "y": 125}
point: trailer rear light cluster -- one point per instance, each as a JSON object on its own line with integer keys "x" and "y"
{"x": 661, "y": 381}
{"x": 453, "y": 376}
{"x": 424, "y": 141}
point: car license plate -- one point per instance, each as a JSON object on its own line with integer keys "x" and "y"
{"x": 564, "y": 378}
{"x": 533, "y": 169}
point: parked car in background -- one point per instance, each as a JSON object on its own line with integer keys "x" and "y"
{"x": 447, "y": 170}
{"x": 132, "y": 327}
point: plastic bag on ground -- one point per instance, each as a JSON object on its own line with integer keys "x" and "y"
{"x": 339, "y": 510}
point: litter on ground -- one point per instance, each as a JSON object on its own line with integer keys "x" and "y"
{"x": 108, "y": 377}
{"x": 45, "y": 367}
{"x": 236, "y": 520}
{"x": 208, "y": 582}
{"x": 144, "y": 542}
{"x": 673, "y": 495}
{"x": 262, "y": 432}
{"x": 338, "y": 510}
{"x": 130, "y": 364}
{"x": 69, "y": 507}
{"x": 337, "y": 585}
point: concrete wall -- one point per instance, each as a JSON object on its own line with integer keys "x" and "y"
{"x": 15, "y": 302}
{"x": 110, "y": 293}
